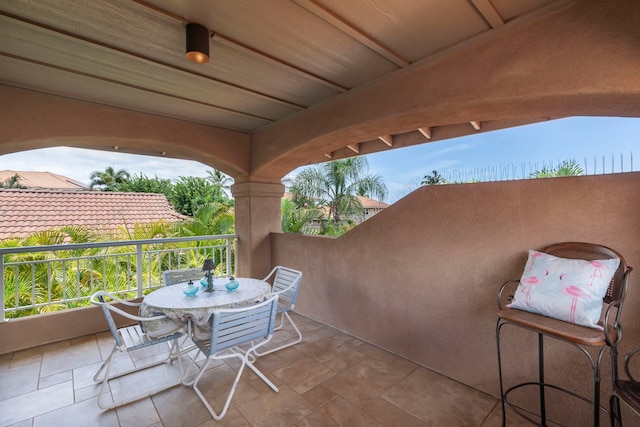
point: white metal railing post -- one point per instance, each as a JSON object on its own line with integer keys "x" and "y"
{"x": 139, "y": 268}
{"x": 228, "y": 268}
{"x": 3, "y": 319}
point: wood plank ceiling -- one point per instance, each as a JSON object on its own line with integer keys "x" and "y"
{"x": 269, "y": 58}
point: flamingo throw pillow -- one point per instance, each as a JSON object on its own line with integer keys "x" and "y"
{"x": 566, "y": 289}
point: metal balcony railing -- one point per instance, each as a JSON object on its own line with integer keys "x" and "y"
{"x": 42, "y": 279}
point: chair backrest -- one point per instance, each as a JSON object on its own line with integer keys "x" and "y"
{"x": 589, "y": 251}
{"x": 171, "y": 277}
{"x": 98, "y": 299}
{"x": 286, "y": 283}
{"x": 235, "y": 326}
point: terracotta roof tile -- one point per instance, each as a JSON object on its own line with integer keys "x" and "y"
{"x": 368, "y": 203}
{"x": 31, "y": 179}
{"x": 25, "y": 211}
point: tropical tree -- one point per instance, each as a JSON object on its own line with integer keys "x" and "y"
{"x": 294, "y": 217}
{"x": 209, "y": 219}
{"x": 12, "y": 182}
{"x": 337, "y": 184}
{"x": 191, "y": 192}
{"x": 109, "y": 180}
{"x": 143, "y": 184}
{"x": 566, "y": 168}
{"x": 433, "y": 179}
{"x": 220, "y": 179}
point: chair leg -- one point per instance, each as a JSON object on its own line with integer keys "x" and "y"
{"x": 287, "y": 344}
{"x": 106, "y": 366}
{"x": 105, "y": 379}
{"x": 614, "y": 411}
{"x": 204, "y": 400}
{"x": 504, "y": 415}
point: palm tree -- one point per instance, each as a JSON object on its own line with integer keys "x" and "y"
{"x": 210, "y": 218}
{"x": 221, "y": 180}
{"x": 12, "y": 182}
{"x": 434, "y": 179}
{"x": 566, "y": 168}
{"x": 109, "y": 179}
{"x": 337, "y": 184}
{"x": 295, "y": 217}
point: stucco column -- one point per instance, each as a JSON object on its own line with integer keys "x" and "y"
{"x": 257, "y": 209}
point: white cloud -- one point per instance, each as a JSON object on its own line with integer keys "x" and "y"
{"x": 79, "y": 163}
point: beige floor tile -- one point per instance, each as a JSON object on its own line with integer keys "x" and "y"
{"x": 320, "y": 395}
{"x": 290, "y": 354}
{"x": 403, "y": 365}
{"x": 139, "y": 413}
{"x": 338, "y": 412}
{"x": 142, "y": 382}
{"x": 495, "y": 419}
{"x": 180, "y": 407}
{"x": 66, "y": 359}
{"x": 364, "y": 382}
{"x": 29, "y": 405}
{"x": 440, "y": 401}
{"x": 391, "y": 415}
{"x": 233, "y": 418}
{"x": 83, "y": 376}
{"x": 325, "y": 348}
{"x": 276, "y": 409}
{"x": 216, "y": 383}
{"x": 25, "y": 423}
{"x": 55, "y": 379}
{"x": 19, "y": 380}
{"x": 304, "y": 374}
{"x": 83, "y": 414}
{"x": 359, "y": 354}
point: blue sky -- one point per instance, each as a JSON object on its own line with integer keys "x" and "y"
{"x": 516, "y": 150}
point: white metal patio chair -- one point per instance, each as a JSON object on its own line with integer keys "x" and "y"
{"x": 130, "y": 339}
{"x": 171, "y": 277}
{"x": 286, "y": 284}
{"x": 230, "y": 329}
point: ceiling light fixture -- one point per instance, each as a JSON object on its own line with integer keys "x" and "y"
{"x": 197, "y": 43}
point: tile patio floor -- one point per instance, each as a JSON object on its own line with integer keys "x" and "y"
{"x": 329, "y": 379}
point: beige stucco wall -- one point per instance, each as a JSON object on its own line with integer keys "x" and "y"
{"x": 421, "y": 278}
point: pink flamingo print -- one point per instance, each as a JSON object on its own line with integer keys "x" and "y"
{"x": 535, "y": 255}
{"x": 575, "y": 292}
{"x": 529, "y": 283}
{"x": 597, "y": 272}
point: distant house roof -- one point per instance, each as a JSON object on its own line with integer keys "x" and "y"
{"x": 42, "y": 180}
{"x": 368, "y": 203}
{"x": 25, "y": 211}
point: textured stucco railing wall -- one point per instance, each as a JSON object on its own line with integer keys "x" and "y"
{"x": 420, "y": 279}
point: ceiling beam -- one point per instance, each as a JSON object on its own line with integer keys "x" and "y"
{"x": 387, "y": 139}
{"x": 355, "y": 148}
{"x": 337, "y": 21}
{"x": 426, "y": 132}
{"x": 137, "y": 87}
{"x": 489, "y": 13}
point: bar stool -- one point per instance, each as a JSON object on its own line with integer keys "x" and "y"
{"x": 587, "y": 339}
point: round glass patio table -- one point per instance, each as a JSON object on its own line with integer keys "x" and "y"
{"x": 181, "y": 309}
